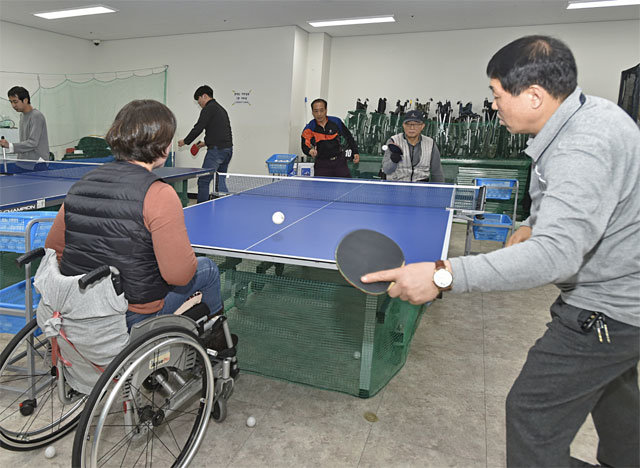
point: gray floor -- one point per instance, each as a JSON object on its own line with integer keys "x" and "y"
{"x": 444, "y": 408}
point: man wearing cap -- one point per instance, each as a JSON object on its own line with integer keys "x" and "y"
{"x": 321, "y": 140}
{"x": 411, "y": 156}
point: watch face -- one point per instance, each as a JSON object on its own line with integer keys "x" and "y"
{"x": 442, "y": 278}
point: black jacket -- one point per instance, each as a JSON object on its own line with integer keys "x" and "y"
{"x": 105, "y": 226}
{"x": 214, "y": 120}
{"x": 327, "y": 139}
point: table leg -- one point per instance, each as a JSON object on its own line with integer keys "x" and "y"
{"x": 366, "y": 363}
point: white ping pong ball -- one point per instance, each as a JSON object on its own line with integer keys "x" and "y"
{"x": 251, "y": 421}
{"x": 278, "y": 217}
{"x": 385, "y": 147}
{"x": 50, "y": 452}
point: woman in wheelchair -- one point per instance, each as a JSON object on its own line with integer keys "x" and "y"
{"x": 122, "y": 215}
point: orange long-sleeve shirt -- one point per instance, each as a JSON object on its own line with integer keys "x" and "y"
{"x": 164, "y": 218}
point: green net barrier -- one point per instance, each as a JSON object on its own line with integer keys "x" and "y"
{"x": 182, "y": 191}
{"x": 308, "y": 326}
{"x": 77, "y": 105}
{"x": 10, "y": 273}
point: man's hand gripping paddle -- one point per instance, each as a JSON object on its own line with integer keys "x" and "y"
{"x": 195, "y": 148}
{"x": 365, "y": 251}
{"x": 396, "y": 152}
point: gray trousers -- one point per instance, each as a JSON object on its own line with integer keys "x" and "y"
{"x": 569, "y": 374}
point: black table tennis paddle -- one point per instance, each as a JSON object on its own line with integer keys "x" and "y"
{"x": 364, "y": 251}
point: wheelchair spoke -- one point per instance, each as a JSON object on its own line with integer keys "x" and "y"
{"x": 41, "y": 405}
{"x": 124, "y": 457}
{"x": 172, "y": 435}
{"x": 127, "y": 438}
{"x": 163, "y": 444}
{"x": 14, "y": 402}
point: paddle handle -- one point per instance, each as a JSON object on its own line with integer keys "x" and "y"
{"x": 4, "y": 156}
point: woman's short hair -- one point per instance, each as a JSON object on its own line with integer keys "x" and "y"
{"x": 142, "y": 131}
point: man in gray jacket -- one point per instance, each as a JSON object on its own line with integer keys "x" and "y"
{"x": 411, "y": 156}
{"x": 583, "y": 235}
{"x": 34, "y": 141}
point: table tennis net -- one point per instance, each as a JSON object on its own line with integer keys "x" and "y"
{"x": 55, "y": 169}
{"x": 466, "y": 198}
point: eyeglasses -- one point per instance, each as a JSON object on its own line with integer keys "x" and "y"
{"x": 413, "y": 124}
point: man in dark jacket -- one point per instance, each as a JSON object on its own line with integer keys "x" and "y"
{"x": 321, "y": 141}
{"x": 214, "y": 121}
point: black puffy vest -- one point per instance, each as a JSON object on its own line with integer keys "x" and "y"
{"x": 105, "y": 226}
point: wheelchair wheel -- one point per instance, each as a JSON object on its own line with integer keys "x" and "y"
{"x": 31, "y": 415}
{"x": 129, "y": 420}
{"x": 219, "y": 412}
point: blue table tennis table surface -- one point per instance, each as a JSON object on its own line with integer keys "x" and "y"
{"x": 25, "y": 191}
{"x": 240, "y": 226}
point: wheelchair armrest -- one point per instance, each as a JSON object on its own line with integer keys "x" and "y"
{"x": 30, "y": 256}
{"x": 100, "y": 273}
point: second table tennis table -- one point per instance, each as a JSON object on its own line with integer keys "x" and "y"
{"x": 238, "y": 228}
{"x": 30, "y": 185}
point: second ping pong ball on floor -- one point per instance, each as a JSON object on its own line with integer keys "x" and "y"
{"x": 278, "y": 217}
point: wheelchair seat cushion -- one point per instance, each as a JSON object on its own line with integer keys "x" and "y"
{"x": 93, "y": 320}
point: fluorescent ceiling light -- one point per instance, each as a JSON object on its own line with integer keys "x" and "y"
{"x": 344, "y": 22}
{"x": 90, "y": 10}
{"x": 601, "y": 3}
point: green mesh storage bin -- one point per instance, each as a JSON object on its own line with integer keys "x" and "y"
{"x": 309, "y": 326}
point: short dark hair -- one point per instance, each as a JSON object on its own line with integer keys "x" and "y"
{"x": 530, "y": 60}
{"x": 20, "y": 92}
{"x": 142, "y": 131}
{"x": 318, "y": 100}
{"x": 204, "y": 89}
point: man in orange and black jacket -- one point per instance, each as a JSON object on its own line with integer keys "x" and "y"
{"x": 321, "y": 141}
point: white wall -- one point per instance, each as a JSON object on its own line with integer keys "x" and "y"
{"x": 299, "y": 78}
{"x": 318, "y": 67}
{"x": 259, "y": 61}
{"x": 29, "y": 50}
{"x": 451, "y": 64}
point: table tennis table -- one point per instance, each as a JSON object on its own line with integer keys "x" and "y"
{"x": 29, "y": 185}
{"x": 318, "y": 213}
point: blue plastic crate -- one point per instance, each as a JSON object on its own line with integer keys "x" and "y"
{"x": 13, "y": 324}
{"x": 17, "y": 223}
{"x": 281, "y": 164}
{"x": 497, "y": 189}
{"x": 492, "y": 233}
{"x": 12, "y": 297}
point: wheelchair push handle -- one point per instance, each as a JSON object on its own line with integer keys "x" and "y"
{"x": 100, "y": 273}
{"x": 30, "y": 256}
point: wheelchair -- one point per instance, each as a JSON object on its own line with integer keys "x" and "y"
{"x": 151, "y": 404}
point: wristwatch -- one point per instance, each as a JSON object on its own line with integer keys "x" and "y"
{"x": 442, "y": 277}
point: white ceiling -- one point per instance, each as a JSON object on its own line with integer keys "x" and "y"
{"x": 147, "y": 18}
